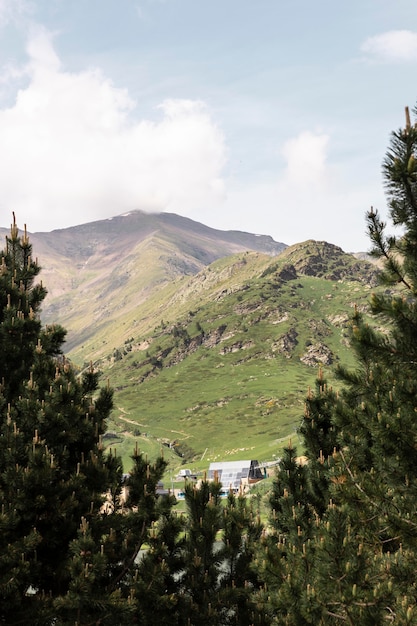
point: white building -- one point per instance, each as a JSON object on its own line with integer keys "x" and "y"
{"x": 235, "y": 474}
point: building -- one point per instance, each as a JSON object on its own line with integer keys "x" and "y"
{"x": 235, "y": 474}
{"x": 186, "y": 473}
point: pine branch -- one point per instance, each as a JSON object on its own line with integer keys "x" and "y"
{"x": 113, "y": 585}
{"x": 375, "y": 504}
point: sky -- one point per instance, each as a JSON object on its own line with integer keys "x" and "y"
{"x": 267, "y": 116}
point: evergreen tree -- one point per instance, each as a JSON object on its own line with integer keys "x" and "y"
{"x": 104, "y": 558}
{"x": 377, "y": 461}
{"x": 240, "y": 581}
{"x": 353, "y": 560}
{"x": 52, "y": 467}
{"x": 159, "y": 572}
{"x": 64, "y": 557}
{"x": 320, "y": 443}
{"x": 202, "y": 553}
{"x": 209, "y": 575}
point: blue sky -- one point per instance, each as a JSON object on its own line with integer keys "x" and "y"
{"x": 269, "y": 116}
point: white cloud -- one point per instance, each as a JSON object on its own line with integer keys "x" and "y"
{"x": 11, "y": 72}
{"x": 395, "y": 45}
{"x": 41, "y": 52}
{"x": 72, "y": 150}
{"x": 312, "y": 198}
{"x": 306, "y": 158}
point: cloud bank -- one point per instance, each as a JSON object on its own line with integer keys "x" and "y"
{"x": 73, "y": 150}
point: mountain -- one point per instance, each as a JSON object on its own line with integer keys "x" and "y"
{"x": 96, "y": 273}
{"x": 211, "y": 339}
{"x": 225, "y": 369}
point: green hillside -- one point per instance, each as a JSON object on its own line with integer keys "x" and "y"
{"x": 224, "y": 371}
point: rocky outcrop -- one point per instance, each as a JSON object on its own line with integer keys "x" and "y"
{"x": 325, "y": 260}
{"x": 286, "y": 344}
{"x": 317, "y": 354}
{"x": 288, "y": 272}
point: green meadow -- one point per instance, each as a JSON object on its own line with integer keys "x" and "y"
{"x": 225, "y": 376}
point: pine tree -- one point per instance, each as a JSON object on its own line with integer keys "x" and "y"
{"x": 377, "y": 418}
{"x": 64, "y": 558}
{"x": 287, "y": 562}
{"x": 52, "y": 467}
{"x": 202, "y": 554}
{"x": 240, "y": 581}
{"x": 354, "y": 560}
{"x": 376, "y": 415}
{"x": 159, "y": 572}
{"x": 216, "y": 577}
{"x": 103, "y": 561}
{"x": 320, "y": 442}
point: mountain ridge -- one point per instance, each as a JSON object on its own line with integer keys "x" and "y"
{"x": 86, "y": 267}
{"x": 142, "y": 224}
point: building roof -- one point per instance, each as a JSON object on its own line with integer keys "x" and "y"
{"x": 231, "y": 473}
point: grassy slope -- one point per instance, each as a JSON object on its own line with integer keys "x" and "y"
{"x": 220, "y": 374}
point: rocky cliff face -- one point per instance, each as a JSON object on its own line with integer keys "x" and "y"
{"x": 325, "y": 260}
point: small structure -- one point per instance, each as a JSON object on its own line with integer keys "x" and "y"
{"x": 186, "y": 473}
{"x": 235, "y": 474}
{"x": 161, "y": 491}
